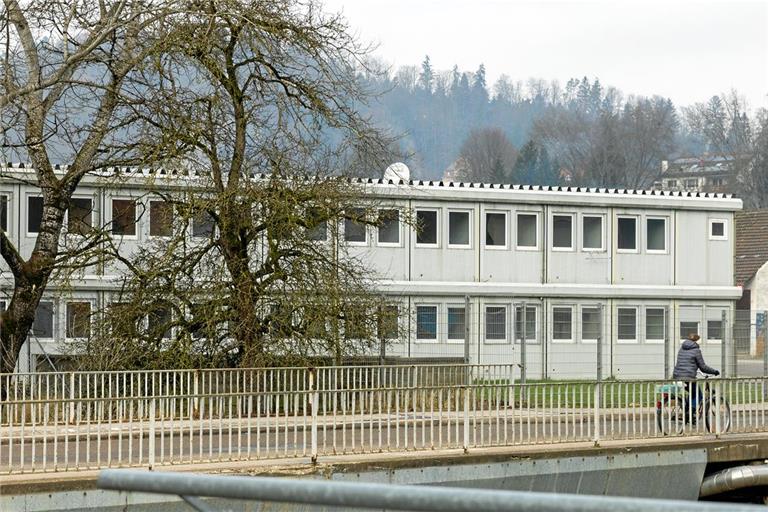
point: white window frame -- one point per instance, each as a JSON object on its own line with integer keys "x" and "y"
{"x": 399, "y": 242}
{"x": 636, "y": 250}
{"x": 448, "y": 339}
{"x": 602, "y": 232}
{"x": 469, "y": 228}
{"x": 666, "y": 234}
{"x": 506, "y": 230}
{"x": 436, "y": 339}
{"x": 552, "y": 231}
{"x": 634, "y": 340}
{"x": 725, "y": 229}
{"x": 504, "y": 305}
{"x": 136, "y": 206}
{"x": 582, "y": 307}
{"x": 73, "y": 300}
{"x": 27, "y": 232}
{"x": 654, "y": 341}
{"x": 536, "y": 217}
{"x": 437, "y": 228}
{"x": 8, "y": 212}
{"x": 536, "y": 321}
{"x": 94, "y": 220}
{"x": 570, "y": 340}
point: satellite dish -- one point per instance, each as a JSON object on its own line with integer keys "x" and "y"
{"x": 397, "y": 171}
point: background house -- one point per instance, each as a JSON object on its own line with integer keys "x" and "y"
{"x": 751, "y": 273}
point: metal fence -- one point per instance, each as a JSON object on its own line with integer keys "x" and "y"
{"x": 74, "y": 421}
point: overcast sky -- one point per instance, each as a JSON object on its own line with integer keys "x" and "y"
{"x": 685, "y": 50}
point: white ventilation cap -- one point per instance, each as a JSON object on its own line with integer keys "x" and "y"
{"x": 397, "y": 171}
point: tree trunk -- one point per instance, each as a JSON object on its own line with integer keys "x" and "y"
{"x": 16, "y": 323}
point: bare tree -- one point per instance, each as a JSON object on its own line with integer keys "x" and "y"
{"x": 487, "y": 155}
{"x": 66, "y": 96}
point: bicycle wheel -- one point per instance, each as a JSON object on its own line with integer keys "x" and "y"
{"x": 670, "y": 418}
{"x": 711, "y": 413}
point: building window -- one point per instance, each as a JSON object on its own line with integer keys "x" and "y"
{"x": 656, "y": 235}
{"x": 160, "y": 218}
{"x": 159, "y": 321}
{"x": 78, "y": 319}
{"x": 426, "y": 226}
{"x": 687, "y": 328}
{"x": 388, "y": 322}
{"x": 458, "y": 229}
{"x": 495, "y": 323}
{"x": 34, "y": 214}
{"x": 355, "y": 323}
{"x": 389, "y": 227}
{"x": 627, "y": 324}
{"x": 714, "y": 330}
{"x": 202, "y": 225}
{"x": 671, "y": 183}
{"x": 496, "y": 230}
{"x": 562, "y": 323}
{"x": 527, "y": 231}
{"x": 4, "y": 213}
{"x": 718, "y": 182}
{"x": 80, "y": 216}
{"x": 562, "y": 232}
{"x": 655, "y": 324}
{"x": 590, "y": 324}
{"x": 124, "y": 217}
{"x": 692, "y": 183}
{"x": 717, "y": 229}
{"x": 317, "y": 229}
{"x": 530, "y": 323}
{"x": 354, "y": 227}
{"x": 592, "y": 236}
{"x": 456, "y": 325}
{"x": 42, "y": 325}
{"x": 627, "y": 234}
{"x": 426, "y": 323}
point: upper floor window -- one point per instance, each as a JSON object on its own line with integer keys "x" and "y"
{"x": 160, "y": 218}
{"x": 80, "y": 216}
{"x": 592, "y": 233}
{"x": 4, "y": 212}
{"x": 527, "y": 231}
{"x": 656, "y": 234}
{"x": 426, "y": 226}
{"x": 562, "y": 232}
{"x": 495, "y": 229}
{"x": 717, "y": 229}
{"x": 34, "y": 213}
{"x": 354, "y": 227}
{"x": 202, "y": 224}
{"x": 458, "y": 229}
{"x": 627, "y": 234}
{"x": 124, "y": 217}
{"x": 389, "y": 227}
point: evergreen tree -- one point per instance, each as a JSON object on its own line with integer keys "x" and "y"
{"x": 426, "y": 76}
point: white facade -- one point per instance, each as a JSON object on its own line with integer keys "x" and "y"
{"x": 655, "y": 262}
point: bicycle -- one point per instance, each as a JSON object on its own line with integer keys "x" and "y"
{"x": 672, "y": 408}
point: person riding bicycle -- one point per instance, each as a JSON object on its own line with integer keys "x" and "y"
{"x": 690, "y": 361}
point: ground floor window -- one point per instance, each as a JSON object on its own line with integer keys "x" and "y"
{"x": 426, "y": 323}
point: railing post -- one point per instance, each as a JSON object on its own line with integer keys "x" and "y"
{"x": 314, "y": 405}
{"x": 466, "y": 418}
{"x": 599, "y": 375}
{"x": 718, "y": 390}
{"x": 152, "y": 429}
{"x": 195, "y": 393}
{"x": 523, "y": 358}
{"x": 723, "y": 349}
{"x": 72, "y": 397}
{"x": 466, "y": 329}
{"x": 667, "y": 351}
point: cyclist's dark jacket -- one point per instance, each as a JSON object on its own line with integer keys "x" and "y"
{"x": 689, "y": 359}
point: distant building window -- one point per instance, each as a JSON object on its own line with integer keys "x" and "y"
{"x": 4, "y": 213}
{"x": 202, "y": 225}
{"x": 496, "y": 323}
{"x": 389, "y": 227}
{"x": 627, "y": 234}
{"x": 456, "y": 326}
{"x": 496, "y": 229}
{"x": 426, "y": 226}
{"x": 671, "y": 183}
{"x": 527, "y": 228}
{"x": 592, "y": 236}
{"x": 78, "y": 319}
{"x": 160, "y": 218}
{"x": 692, "y": 183}
{"x": 530, "y": 323}
{"x": 562, "y": 323}
{"x": 354, "y": 227}
{"x": 426, "y": 323}
{"x": 42, "y": 326}
{"x": 656, "y": 235}
{"x": 655, "y": 324}
{"x": 80, "y": 216}
{"x": 717, "y": 182}
{"x": 717, "y": 230}
{"x": 124, "y": 217}
{"x": 590, "y": 324}
{"x": 458, "y": 229}
{"x": 627, "y": 324}
{"x": 34, "y": 214}
{"x": 562, "y": 231}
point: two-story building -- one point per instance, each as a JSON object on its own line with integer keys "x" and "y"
{"x": 569, "y": 267}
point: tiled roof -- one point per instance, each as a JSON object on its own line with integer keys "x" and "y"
{"x": 135, "y": 171}
{"x": 751, "y": 243}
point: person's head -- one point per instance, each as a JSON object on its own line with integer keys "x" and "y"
{"x": 694, "y": 337}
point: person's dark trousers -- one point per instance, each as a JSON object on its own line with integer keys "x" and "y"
{"x": 694, "y": 398}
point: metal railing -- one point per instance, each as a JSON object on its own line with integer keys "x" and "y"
{"x": 75, "y": 421}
